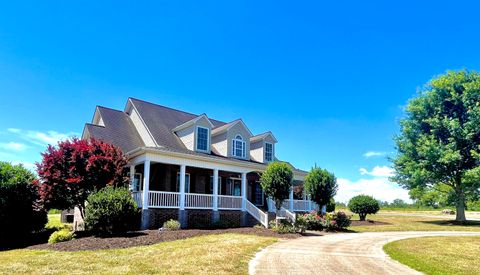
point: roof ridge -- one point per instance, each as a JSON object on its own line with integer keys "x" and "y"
{"x": 108, "y": 108}
{"x": 163, "y": 106}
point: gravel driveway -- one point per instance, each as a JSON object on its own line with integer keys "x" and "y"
{"x": 343, "y": 253}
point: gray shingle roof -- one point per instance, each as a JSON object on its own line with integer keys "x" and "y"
{"x": 118, "y": 130}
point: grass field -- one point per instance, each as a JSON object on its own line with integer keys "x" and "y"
{"x": 438, "y": 255}
{"x": 402, "y": 221}
{"x": 212, "y": 254}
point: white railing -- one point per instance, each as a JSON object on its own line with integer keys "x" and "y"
{"x": 301, "y": 205}
{"x": 229, "y": 202}
{"x": 198, "y": 201}
{"x": 292, "y": 217}
{"x": 258, "y": 214}
{"x": 298, "y": 205}
{"x": 161, "y": 199}
{"x": 137, "y": 197}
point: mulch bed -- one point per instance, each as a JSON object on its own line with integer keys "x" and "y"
{"x": 368, "y": 222}
{"x": 149, "y": 237}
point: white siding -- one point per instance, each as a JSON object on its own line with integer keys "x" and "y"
{"x": 141, "y": 129}
{"x": 220, "y": 145}
{"x": 187, "y": 136}
{"x": 238, "y": 129}
{"x": 256, "y": 151}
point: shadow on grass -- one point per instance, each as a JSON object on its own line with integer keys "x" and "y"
{"x": 451, "y": 222}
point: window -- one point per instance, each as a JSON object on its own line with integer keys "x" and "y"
{"x": 238, "y": 147}
{"x": 202, "y": 139}
{"x": 259, "y": 195}
{"x": 219, "y": 185}
{"x": 268, "y": 152}
{"x": 187, "y": 182}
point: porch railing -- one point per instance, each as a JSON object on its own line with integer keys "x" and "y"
{"x": 298, "y": 205}
{"x": 161, "y": 199}
{"x": 258, "y": 214}
{"x": 292, "y": 217}
{"x": 198, "y": 201}
{"x": 229, "y": 202}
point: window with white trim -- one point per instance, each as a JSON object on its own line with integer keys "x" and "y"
{"x": 268, "y": 152}
{"x": 238, "y": 147}
{"x": 202, "y": 139}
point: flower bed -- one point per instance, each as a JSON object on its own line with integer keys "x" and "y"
{"x": 328, "y": 222}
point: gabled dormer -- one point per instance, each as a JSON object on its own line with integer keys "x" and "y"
{"x": 195, "y": 133}
{"x": 232, "y": 140}
{"x": 262, "y": 147}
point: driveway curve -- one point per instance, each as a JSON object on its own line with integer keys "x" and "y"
{"x": 343, "y": 253}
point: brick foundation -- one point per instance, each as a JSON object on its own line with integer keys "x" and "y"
{"x": 196, "y": 218}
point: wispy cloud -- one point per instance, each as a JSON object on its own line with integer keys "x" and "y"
{"x": 379, "y": 188}
{"x": 26, "y": 164}
{"x": 371, "y": 154}
{"x": 13, "y": 146}
{"x": 378, "y": 171}
{"x": 41, "y": 138}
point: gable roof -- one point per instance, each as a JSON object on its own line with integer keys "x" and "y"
{"x": 262, "y": 136}
{"x": 117, "y": 129}
{"x": 161, "y": 120}
{"x": 191, "y": 122}
{"x": 229, "y": 125}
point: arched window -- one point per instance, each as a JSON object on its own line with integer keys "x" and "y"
{"x": 238, "y": 147}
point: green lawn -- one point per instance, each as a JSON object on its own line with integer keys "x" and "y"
{"x": 411, "y": 223}
{"x": 438, "y": 255}
{"x": 212, "y": 254}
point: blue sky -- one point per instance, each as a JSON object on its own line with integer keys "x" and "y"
{"x": 329, "y": 79}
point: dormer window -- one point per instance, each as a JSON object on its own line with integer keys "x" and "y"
{"x": 239, "y": 149}
{"x": 202, "y": 139}
{"x": 268, "y": 152}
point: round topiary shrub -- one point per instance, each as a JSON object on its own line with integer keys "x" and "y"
{"x": 363, "y": 205}
{"x": 111, "y": 211}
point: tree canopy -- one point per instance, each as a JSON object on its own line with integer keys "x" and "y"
{"x": 439, "y": 143}
{"x": 321, "y": 185}
{"x": 73, "y": 169}
{"x": 276, "y": 182}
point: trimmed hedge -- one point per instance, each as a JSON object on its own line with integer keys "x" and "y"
{"x": 61, "y": 236}
{"x": 111, "y": 211}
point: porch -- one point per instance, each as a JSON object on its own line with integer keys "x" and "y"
{"x": 159, "y": 185}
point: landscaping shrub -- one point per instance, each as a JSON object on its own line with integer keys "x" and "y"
{"x": 111, "y": 211}
{"x": 283, "y": 227}
{"x": 171, "y": 225}
{"x": 363, "y": 205}
{"x": 19, "y": 212}
{"x": 61, "y": 236}
{"x": 329, "y": 222}
{"x": 343, "y": 220}
{"x": 331, "y": 205}
{"x": 312, "y": 220}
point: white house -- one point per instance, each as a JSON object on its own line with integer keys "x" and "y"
{"x": 191, "y": 167}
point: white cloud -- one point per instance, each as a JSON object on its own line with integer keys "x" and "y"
{"x": 378, "y": 171}
{"x": 370, "y": 154}
{"x": 379, "y": 188}
{"x": 14, "y": 146}
{"x": 41, "y": 138}
{"x": 28, "y": 165}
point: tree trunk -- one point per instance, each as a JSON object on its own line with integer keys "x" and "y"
{"x": 362, "y": 216}
{"x": 460, "y": 211}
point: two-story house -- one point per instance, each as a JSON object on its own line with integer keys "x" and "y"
{"x": 191, "y": 167}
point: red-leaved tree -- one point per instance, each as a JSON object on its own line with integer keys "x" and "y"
{"x": 70, "y": 171}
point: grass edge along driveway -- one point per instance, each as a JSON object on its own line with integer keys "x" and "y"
{"x": 211, "y": 254}
{"x": 438, "y": 255}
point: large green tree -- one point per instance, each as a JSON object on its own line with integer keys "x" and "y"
{"x": 321, "y": 185}
{"x": 439, "y": 143}
{"x": 276, "y": 182}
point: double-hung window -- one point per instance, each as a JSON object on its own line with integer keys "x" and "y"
{"x": 202, "y": 139}
{"x": 238, "y": 147}
{"x": 268, "y": 152}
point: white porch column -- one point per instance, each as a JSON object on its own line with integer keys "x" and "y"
{"x": 215, "y": 189}
{"x": 132, "y": 177}
{"x": 183, "y": 168}
{"x": 291, "y": 199}
{"x": 244, "y": 191}
{"x": 146, "y": 183}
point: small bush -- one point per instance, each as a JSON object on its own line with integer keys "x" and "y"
{"x": 363, "y": 205}
{"x": 329, "y": 221}
{"x": 283, "y": 227}
{"x": 111, "y": 211}
{"x": 311, "y": 220}
{"x": 343, "y": 220}
{"x": 171, "y": 225}
{"x": 61, "y": 236}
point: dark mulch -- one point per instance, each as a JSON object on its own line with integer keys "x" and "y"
{"x": 149, "y": 237}
{"x": 368, "y": 222}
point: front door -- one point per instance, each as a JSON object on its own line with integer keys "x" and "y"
{"x": 234, "y": 187}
